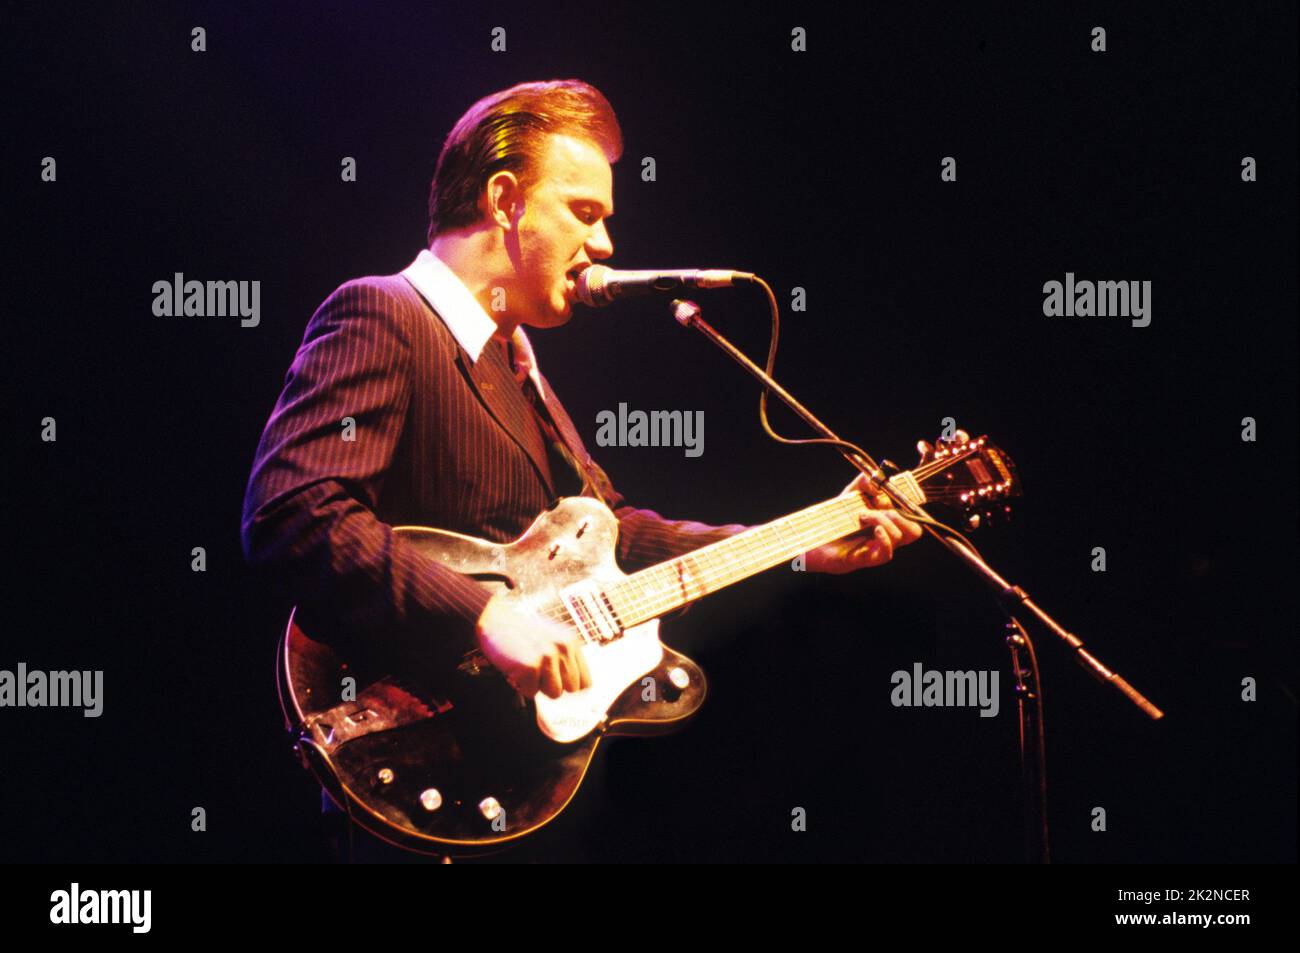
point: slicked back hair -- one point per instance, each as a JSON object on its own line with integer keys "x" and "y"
{"x": 507, "y": 130}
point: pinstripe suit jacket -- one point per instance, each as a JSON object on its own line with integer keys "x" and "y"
{"x": 440, "y": 440}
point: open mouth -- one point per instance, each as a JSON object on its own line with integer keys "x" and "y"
{"x": 571, "y": 279}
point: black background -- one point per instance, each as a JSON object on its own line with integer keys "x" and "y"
{"x": 817, "y": 169}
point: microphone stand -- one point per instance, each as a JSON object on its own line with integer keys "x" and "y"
{"x": 1033, "y": 754}
{"x": 1012, "y": 598}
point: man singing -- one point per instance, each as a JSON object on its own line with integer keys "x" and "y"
{"x": 415, "y": 398}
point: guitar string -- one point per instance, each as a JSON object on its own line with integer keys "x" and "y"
{"x": 711, "y": 570}
{"x": 651, "y": 597}
{"x": 639, "y": 598}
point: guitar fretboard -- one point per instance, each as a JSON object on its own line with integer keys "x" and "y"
{"x": 651, "y": 592}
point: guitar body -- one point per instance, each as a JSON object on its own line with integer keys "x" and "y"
{"x": 471, "y": 766}
{"x": 456, "y": 762}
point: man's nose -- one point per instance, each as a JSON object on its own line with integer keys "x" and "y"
{"x": 600, "y": 245}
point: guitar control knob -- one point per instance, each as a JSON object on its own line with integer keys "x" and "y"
{"x": 431, "y": 799}
{"x": 386, "y": 775}
{"x": 490, "y": 808}
{"x": 679, "y": 678}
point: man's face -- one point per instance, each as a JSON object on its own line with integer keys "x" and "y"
{"x": 560, "y": 229}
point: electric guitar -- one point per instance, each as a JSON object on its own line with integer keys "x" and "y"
{"x": 468, "y": 765}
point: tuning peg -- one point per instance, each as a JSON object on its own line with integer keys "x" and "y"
{"x": 924, "y": 448}
{"x": 961, "y": 436}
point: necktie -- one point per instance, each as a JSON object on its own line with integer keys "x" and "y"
{"x": 568, "y": 463}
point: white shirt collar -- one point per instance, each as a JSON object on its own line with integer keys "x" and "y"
{"x": 460, "y": 310}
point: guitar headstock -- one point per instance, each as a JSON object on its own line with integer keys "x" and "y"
{"x": 973, "y": 476}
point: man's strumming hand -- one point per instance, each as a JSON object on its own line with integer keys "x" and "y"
{"x": 534, "y": 654}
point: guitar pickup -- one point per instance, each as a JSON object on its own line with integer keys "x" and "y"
{"x": 592, "y": 611}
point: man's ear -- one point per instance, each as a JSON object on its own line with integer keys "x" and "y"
{"x": 503, "y": 197}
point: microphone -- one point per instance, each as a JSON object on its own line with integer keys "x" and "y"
{"x": 598, "y": 285}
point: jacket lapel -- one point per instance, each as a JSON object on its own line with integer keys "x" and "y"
{"x": 569, "y": 434}
{"x": 495, "y": 386}
{"x": 492, "y": 381}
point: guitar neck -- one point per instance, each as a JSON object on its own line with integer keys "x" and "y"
{"x": 650, "y": 593}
